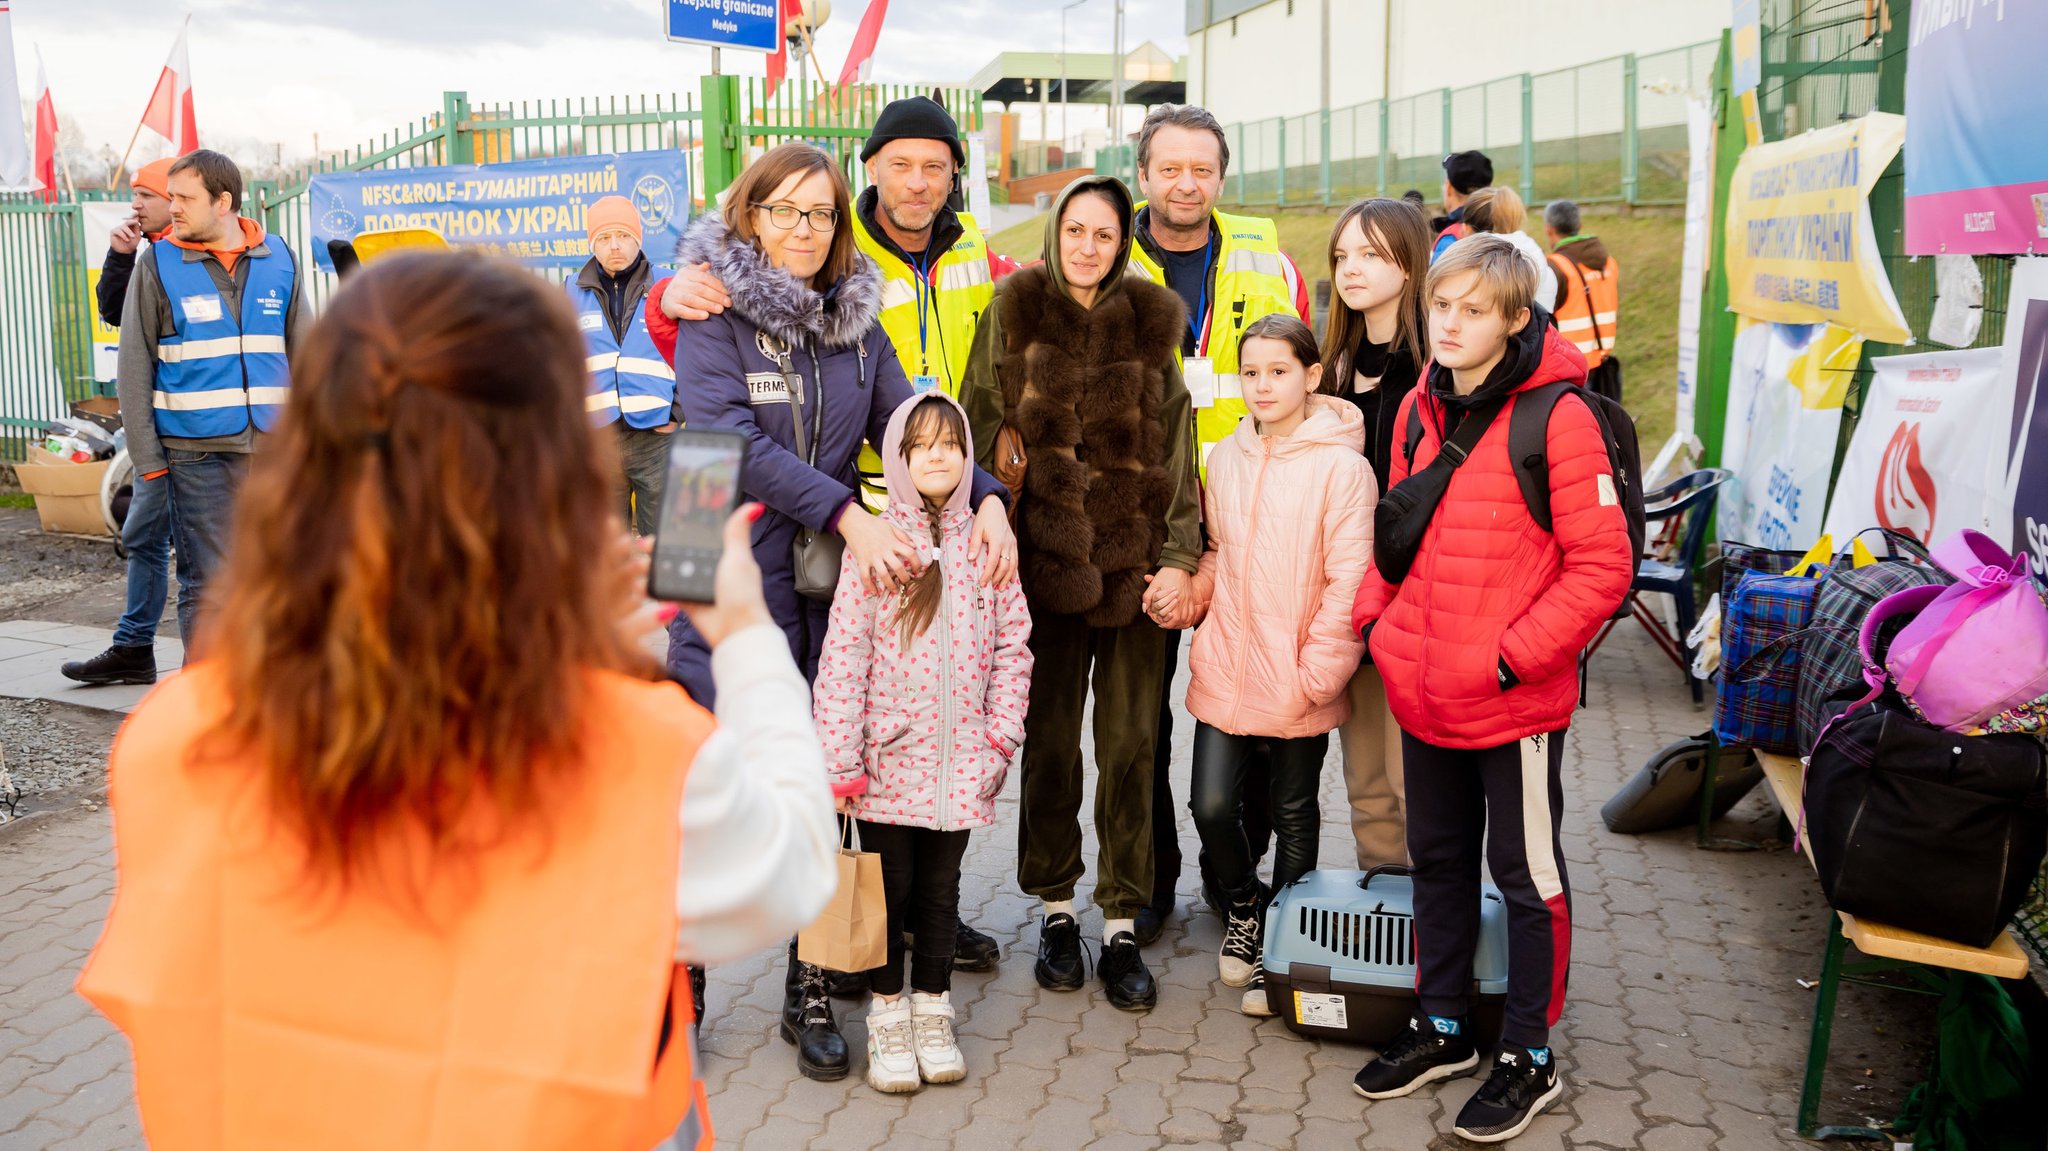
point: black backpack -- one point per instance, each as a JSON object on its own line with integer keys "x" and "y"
{"x": 1528, "y": 440}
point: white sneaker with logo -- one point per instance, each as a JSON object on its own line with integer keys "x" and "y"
{"x": 938, "y": 1052}
{"x": 892, "y": 1058}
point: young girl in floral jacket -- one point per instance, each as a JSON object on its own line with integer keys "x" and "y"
{"x": 920, "y": 703}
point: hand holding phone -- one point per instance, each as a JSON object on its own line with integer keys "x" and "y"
{"x": 702, "y": 488}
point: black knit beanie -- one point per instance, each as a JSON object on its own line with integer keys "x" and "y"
{"x": 914, "y": 118}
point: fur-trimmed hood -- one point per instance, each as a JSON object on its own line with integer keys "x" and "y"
{"x": 777, "y": 302}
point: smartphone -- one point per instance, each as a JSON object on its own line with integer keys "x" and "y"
{"x": 700, "y": 492}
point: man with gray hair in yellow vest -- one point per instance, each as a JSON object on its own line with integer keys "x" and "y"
{"x": 938, "y": 277}
{"x": 1230, "y": 271}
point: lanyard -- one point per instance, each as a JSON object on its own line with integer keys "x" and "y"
{"x": 1201, "y": 312}
{"x": 921, "y": 288}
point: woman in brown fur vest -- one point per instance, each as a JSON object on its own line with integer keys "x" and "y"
{"x": 1080, "y": 362}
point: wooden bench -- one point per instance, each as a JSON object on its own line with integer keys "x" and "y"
{"x": 1889, "y": 948}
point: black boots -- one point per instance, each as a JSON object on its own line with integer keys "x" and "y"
{"x": 973, "y": 951}
{"x": 1124, "y": 976}
{"x": 807, "y": 1022}
{"x": 114, "y": 665}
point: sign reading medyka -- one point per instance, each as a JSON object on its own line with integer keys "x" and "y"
{"x": 750, "y": 24}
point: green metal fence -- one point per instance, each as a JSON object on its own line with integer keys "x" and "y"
{"x": 1612, "y": 131}
{"x": 45, "y": 317}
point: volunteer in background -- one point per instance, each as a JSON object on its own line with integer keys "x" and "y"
{"x": 631, "y": 387}
{"x": 1464, "y": 174}
{"x": 146, "y": 530}
{"x": 1588, "y": 297}
{"x": 207, "y": 328}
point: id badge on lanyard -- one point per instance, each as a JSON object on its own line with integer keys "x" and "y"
{"x": 1199, "y": 372}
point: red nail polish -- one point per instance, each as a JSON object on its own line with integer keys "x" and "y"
{"x": 667, "y": 612}
{"x": 755, "y": 515}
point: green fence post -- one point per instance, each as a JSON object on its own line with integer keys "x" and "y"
{"x": 1385, "y": 117}
{"x": 1717, "y": 323}
{"x": 1448, "y": 120}
{"x": 1528, "y": 139}
{"x": 1631, "y": 147}
{"x": 721, "y": 107}
{"x": 455, "y": 142}
{"x": 1326, "y": 157}
{"x": 1280, "y": 169}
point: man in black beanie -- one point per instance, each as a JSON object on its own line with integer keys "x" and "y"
{"x": 1464, "y": 174}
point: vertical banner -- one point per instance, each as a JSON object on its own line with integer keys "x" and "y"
{"x": 1977, "y": 159}
{"x": 100, "y": 218}
{"x": 977, "y": 179}
{"x": 1746, "y": 38}
{"x": 1915, "y": 462}
{"x": 2019, "y": 465}
{"x": 1692, "y": 283}
{"x": 1784, "y": 417}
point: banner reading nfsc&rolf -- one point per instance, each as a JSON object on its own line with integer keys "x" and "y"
{"x": 528, "y": 210}
{"x": 1800, "y": 249}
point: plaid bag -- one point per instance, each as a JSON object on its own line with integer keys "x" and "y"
{"x": 1761, "y": 628}
{"x": 1831, "y": 669}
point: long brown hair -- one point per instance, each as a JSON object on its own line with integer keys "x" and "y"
{"x": 414, "y": 590}
{"x": 770, "y": 172}
{"x": 1398, "y": 230}
{"x": 932, "y": 420}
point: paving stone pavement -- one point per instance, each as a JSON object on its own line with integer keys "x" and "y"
{"x": 1686, "y": 1027}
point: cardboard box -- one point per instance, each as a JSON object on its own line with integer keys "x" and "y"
{"x": 102, "y": 410}
{"x": 67, "y": 494}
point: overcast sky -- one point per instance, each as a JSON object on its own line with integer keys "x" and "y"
{"x": 283, "y": 70}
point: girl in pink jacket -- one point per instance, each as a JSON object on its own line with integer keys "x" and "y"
{"x": 1288, "y": 509}
{"x": 920, "y": 704}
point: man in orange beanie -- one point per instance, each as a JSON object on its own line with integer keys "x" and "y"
{"x": 631, "y": 386}
{"x": 150, "y": 219}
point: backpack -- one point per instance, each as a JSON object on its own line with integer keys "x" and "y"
{"x": 1528, "y": 440}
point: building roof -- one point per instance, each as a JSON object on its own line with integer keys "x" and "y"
{"x": 1151, "y": 76}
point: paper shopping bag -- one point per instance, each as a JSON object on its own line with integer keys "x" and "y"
{"x": 852, "y": 933}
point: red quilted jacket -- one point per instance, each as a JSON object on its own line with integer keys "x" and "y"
{"x": 1489, "y": 585}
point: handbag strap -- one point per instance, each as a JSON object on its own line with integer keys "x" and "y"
{"x": 795, "y": 383}
{"x": 1459, "y": 447}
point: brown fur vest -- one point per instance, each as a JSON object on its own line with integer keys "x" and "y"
{"x": 1084, "y": 387}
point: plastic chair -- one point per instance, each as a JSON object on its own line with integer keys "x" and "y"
{"x": 1684, "y": 506}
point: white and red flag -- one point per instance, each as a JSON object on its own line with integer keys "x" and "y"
{"x": 46, "y": 134}
{"x": 792, "y": 16}
{"x": 169, "y": 114}
{"x": 16, "y": 162}
{"x": 860, "y": 59}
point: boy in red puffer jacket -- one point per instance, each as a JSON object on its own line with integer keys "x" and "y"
{"x": 1478, "y": 646}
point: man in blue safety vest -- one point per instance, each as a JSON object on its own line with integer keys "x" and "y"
{"x": 207, "y": 328}
{"x": 632, "y": 387}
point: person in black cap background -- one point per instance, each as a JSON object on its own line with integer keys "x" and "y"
{"x": 1464, "y": 174}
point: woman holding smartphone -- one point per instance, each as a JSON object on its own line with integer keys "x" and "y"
{"x": 801, "y": 343}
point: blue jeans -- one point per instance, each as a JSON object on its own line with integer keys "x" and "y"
{"x": 146, "y": 536}
{"x": 203, "y": 488}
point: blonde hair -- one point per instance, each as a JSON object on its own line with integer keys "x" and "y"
{"x": 1495, "y": 209}
{"x": 1507, "y": 280}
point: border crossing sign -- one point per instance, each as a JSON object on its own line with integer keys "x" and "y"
{"x": 749, "y": 24}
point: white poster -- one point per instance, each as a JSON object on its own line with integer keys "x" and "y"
{"x": 100, "y": 218}
{"x": 1692, "y": 282}
{"x": 2017, "y": 468}
{"x": 977, "y": 178}
{"x": 1914, "y": 464}
{"x": 1784, "y": 416}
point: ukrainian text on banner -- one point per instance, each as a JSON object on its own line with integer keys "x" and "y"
{"x": 2018, "y": 468}
{"x": 527, "y": 210}
{"x": 1977, "y": 160}
{"x": 1800, "y": 249}
{"x": 1915, "y": 464}
{"x": 1784, "y": 415}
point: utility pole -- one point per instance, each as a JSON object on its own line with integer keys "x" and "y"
{"x": 1063, "y": 78}
{"x": 1116, "y": 84}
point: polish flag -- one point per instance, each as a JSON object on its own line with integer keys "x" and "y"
{"x": 16, "y": 163}
{"x": 169, "y": 114}
{"x": 860, "y": 59}
{"x": 46, "y": 134}
{"x": 778, "y": 61}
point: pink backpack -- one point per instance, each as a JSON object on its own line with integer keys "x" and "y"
{"x": 1978, "y": 648}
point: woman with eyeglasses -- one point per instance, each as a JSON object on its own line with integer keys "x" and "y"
{"x": 800, "y": 365}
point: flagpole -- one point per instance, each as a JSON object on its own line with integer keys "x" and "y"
{"x": 114, "y": 177}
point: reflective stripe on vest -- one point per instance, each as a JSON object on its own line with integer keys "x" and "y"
{"x": 1588, "y": 324}
{"x": 217, "y": 372}
{"x": 631, "y": 378}
{"x": 1251, "y": 283}
{"x": 962, "y": 288}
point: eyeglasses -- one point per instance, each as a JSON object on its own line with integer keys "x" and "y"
{"x": 785, "y": 217}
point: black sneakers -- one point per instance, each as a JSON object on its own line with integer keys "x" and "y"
{"x": 1059, "y": 953}
{"x": 1520, "y": 1089}
{"x": 1242, "y": 928}
{"x": 973, "y": 951}
{"x": 1423, "y": 1055}
{"x": 1150, "y": 922}
{"x": 114, "y": 665}
{"x": 1124, "y": 976}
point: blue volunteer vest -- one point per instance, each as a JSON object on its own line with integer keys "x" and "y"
{"x": 627, "y": 378}
{"x": 217, "y": 372}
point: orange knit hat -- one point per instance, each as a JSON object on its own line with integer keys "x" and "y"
{"x": 155, "y": 176}
{"x": 613, "y": 212}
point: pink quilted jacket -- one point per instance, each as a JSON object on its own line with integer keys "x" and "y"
{"x": 924, "y": 737}
{"x": 1290, "y": 532}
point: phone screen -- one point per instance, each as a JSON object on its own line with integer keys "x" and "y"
{"x": 700, "y": 492}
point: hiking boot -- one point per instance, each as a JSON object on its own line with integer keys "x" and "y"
{"x": 892, "y": 1060}
{"x": 1254, "y": 1001}
{"x": 973, "y": 951}
{"x": 846, "y": 984}
{"x": 1150, "y": 922}
{"x": 114, "y": 665}
{"x": 808, "y": 1024}
{"x": 938, "y": 1052}
{"x": 1059, "y": 953}
{"x": 1124, "y": 975}
{"x": 1422, "y": 1055}
{"x": 1523, "y": 1085}
{"x": 1240, "y": 952}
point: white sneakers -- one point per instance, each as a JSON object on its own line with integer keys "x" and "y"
{"x": 938, "y": 1053}
{"x": 1254, "y": 1000}
{"x": 1239, "y": 956}
{"x": 892, "y": 1062}
{"x": 911, "y": 1043}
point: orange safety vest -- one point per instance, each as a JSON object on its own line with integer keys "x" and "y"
{"x": 1591, "y": 299}
{"x": 524, "y": 1008}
